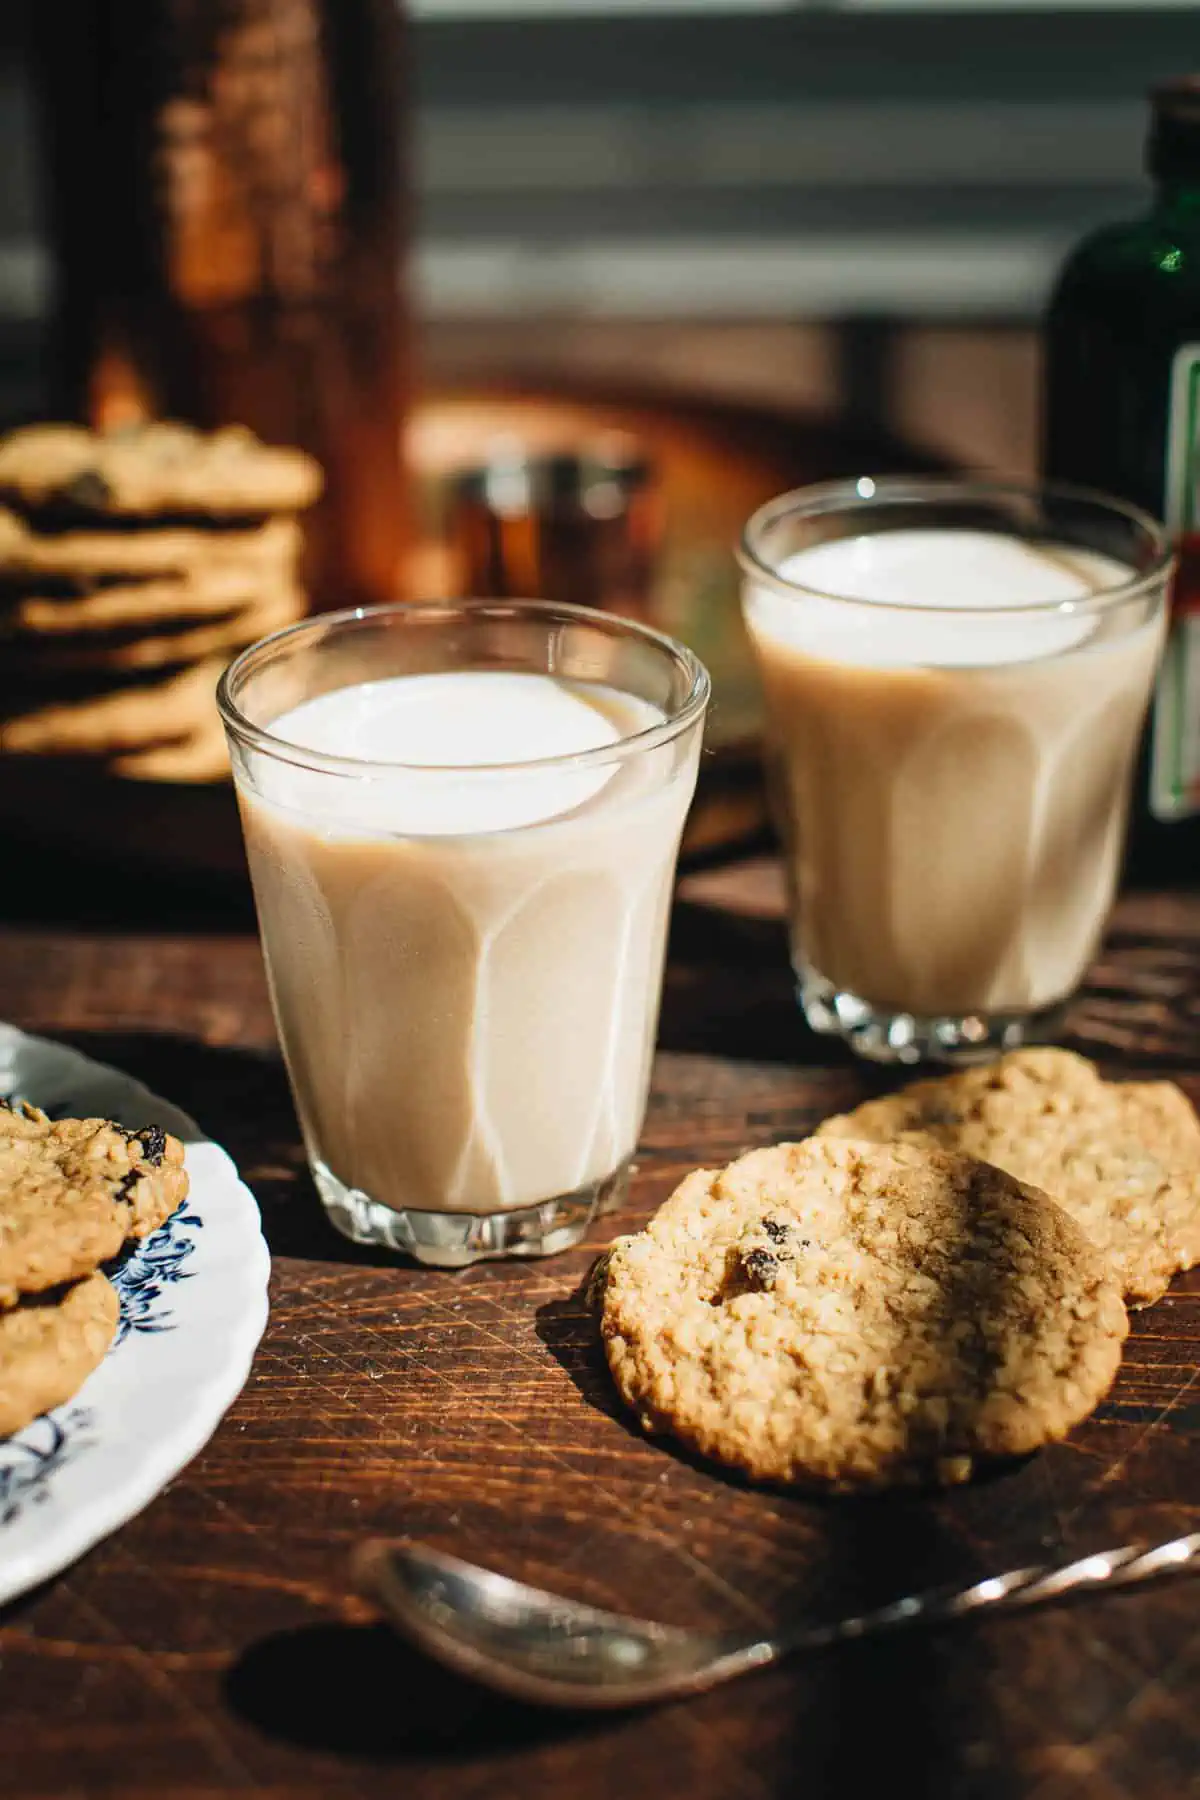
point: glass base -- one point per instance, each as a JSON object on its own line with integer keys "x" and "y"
{"x": 454, "y": 1240}
{"x": 901, "y": 1037}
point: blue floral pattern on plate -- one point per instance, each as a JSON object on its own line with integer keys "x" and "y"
{"x": 30, "y": 1462}
{"x": 146, "y": 1270}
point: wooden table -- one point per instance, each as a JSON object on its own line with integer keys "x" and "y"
{"x": 210, "y": 1647}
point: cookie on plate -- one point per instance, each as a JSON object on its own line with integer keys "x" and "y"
{"x": 50, "y": 1344}
{"x": 154, "y": 470}
{"x": 857, "y": 1315}
{"x": 73, "y": 1190}
{"x": 1122, "y": 1157}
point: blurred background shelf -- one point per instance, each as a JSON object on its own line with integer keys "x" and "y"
{"x": 796, "y": 204}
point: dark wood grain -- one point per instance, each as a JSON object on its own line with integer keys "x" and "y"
{"x": 211, "y": 1647}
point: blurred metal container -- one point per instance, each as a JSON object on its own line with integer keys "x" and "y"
{"x": 582, "y": 526}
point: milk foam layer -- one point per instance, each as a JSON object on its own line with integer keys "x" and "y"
{"x": 936, "y": 576}
{"x": 470, "y": 719}
{"x": 466, "y": 967}
{"x": 951, "y": 781}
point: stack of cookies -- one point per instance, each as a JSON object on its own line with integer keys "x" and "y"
{"x": 72, "y": 1192}
{"x": 934, "y": 1280}
{"x": 133, "y": 566}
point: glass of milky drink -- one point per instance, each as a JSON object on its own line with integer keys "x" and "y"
{"x": 462, "y": 823}
{"x": 956, "y": 675}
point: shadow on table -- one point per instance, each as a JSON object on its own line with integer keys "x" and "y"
{"x": 359, "y": 1690}
{"x": 48, "y": 884}
{"x": 729, "y": 992}
{"x": 569, "y": 1329}
{"x": 916, "y": 1712}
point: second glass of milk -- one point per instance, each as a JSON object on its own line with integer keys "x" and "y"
{"x": 956, "y": 674}
{"x": 462, "y": 823}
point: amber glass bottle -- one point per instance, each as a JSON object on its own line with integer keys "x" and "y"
{"x": 1122, "y": 413}
{"x": 225, "y": 210}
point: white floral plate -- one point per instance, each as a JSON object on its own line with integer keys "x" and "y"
{"x": 193, "y": 1307}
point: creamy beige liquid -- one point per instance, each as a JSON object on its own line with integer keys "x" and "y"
{"x": 952, "y": 789}
{"x": 466, "y": 969}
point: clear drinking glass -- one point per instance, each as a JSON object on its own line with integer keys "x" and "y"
{"x": 465, "y": 954}
{"x": 953, "y": 717}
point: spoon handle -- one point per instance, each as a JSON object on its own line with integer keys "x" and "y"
{"x": 1122, "y": 1567}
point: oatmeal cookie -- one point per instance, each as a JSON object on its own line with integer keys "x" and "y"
{"x": 66, "y": 565}
{"x": 1123, "y": 1158}
{"x": 167, "y": 603}
{"x": 50, "y": 1344}
{"x": 156, "y": 470}
{"x": 147, "y": 645}
{"x": 73, "y": 1190}
{"x": 858, "y": 1315}
{"x": 201, "y": 756}
{"x": 110, "y": 719}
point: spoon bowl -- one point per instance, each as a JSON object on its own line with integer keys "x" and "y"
{"x": 529, "y": 1643}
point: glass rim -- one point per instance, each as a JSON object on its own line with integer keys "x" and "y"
{"x": 283, "y": 749}
{"x": 847, "y": 496}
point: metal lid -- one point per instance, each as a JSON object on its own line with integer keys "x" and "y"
{"x": 598, "y": 479}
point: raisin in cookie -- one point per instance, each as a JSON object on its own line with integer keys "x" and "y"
{"x": 860, "y": 1315}
{"x": 1123, "y": 1158}
{"x": 73, "y": 1190}
{"x": 50, "y": 1344}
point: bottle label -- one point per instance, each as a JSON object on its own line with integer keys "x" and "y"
{"x": 1175, "y": 743}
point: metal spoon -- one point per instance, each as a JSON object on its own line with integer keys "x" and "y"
{"x": 545, "y": 1648}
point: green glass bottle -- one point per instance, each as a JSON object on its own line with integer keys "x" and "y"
{"x": 1122, "y": 413}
